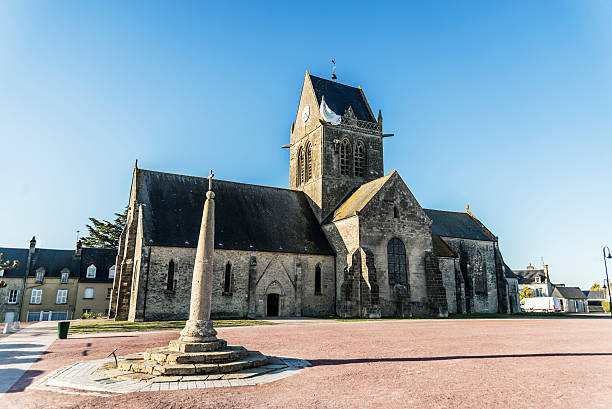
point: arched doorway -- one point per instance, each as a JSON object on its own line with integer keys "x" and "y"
{"x": 272, "y": 305}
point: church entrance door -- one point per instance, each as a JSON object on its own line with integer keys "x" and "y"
{"x": 272, "y": 305}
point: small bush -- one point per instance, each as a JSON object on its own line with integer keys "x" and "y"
{"x": 606, "y": 305}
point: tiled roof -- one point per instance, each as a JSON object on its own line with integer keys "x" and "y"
{"x": 340, "y": 97}
{"x": 360, "y": 198}
{"x": 10, "y": 254}
{"x": 247, "y": 217}
{"x": 459, "y": 225}
{"x": 528, "y": 276}
{"x": 103, "y": 259}
{"x": 572, "y": 293}
{"x": 54, "y": 261}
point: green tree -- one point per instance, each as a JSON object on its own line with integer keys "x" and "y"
{"x": 526, "y": 292}
{"x": 596, "y": 287}
{"x": 103, "y": 233}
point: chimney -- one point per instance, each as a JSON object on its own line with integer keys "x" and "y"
{"x": 33, "y": 245}
{"x": 79, "y": 246}
{"x": 546, "y": 271}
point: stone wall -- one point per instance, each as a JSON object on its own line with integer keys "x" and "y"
{"x": 254, "y": 275}
{"x": 447, "y": 267}
{"x": 468, "y": 250}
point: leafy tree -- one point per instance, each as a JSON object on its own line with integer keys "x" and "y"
{"x": 596, "y": 287}
{"x": 526, "y": 292}
{"x": 103, "y": 233}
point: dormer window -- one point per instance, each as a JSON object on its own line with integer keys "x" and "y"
{"x": 111, "y": 272}
{"x": 91, "y": 271}
{"x": 1, "y": 273}
{"x": 538, "y": 279}
{"x": 40, "y": 275}
{"x": 65, "y": 275}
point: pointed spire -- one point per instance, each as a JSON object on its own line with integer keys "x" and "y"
{"x": 380, "y": 120}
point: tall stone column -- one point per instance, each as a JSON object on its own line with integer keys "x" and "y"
{"x": 199, "y": 327}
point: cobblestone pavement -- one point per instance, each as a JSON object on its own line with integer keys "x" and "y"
{"x": 527, "y": 363}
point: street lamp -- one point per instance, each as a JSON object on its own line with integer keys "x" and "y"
{"x": 607, "y": 280}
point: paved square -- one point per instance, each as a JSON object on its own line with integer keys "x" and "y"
{"x": 419, "y": 363}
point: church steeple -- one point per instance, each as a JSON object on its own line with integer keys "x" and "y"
{"x": 336, "y": 143}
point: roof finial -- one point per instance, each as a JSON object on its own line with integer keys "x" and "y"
{"x": 334, "y": 76}
{"x": 210, "y": 178}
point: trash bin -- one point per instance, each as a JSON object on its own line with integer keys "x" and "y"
{"x": 62, "y": 329}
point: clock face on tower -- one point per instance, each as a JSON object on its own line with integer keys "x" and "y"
{"x": 305, "y": 113}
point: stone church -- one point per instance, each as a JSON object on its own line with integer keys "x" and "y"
{"x": 345, "y": 239}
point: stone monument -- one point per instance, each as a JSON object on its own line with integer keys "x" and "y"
{"x": 198, "y": 351}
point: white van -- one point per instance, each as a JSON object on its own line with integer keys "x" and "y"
{"x": 541, "y": 304}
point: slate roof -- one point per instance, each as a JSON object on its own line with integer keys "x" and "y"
{"x": 247, "y": 217}
{"x": 11, "y": 254}
{"x": 339, "y": 97}
{"x": 359, "y": 198}
{"x": 54, "y": 261}
{"x": 568, "y": 293}
{"x": 459, "y": 225}
{"x": 440, "y": 247}
{"x": 596, "y": 294}
{"x": 528, "y": 276}
{"x": 508, "y": 273}
{"x": 103, "y": 259}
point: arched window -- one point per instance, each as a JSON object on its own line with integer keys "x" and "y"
{"x": 360, "y": 160}
{"x": 345, "y": 158}
{"x": 91, "y": 271}
{"x": 170, "y": 279}
{"x": 227, "y": 278}
{"x": 299, "y": 177}
{"x": 317, "y": 280}
{"x": 396, "y": 262}
{"x": 111, "y": 272}
{"x": 308, "y": 161}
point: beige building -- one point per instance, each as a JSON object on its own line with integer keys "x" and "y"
{"x": 535, "y": 279}
{"x": 59, "y": 284}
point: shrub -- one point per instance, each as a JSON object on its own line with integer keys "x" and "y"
{"x": 606, "y": 305}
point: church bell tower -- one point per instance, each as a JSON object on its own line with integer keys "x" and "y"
{"x": 336, "y": 144}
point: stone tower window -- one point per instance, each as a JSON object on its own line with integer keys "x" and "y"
{"x": 299, "y": 177}
{"x": 345, "y": 158}
{"x": 227, "y": 278}
{"x": 170, "y": 279}
{"x": 317, "y": 282}
{"x": 308, "y": 161}
{"x": 396, "y": 262}
{"x": 360, "y": 160}
{"x": 395, "y": 212}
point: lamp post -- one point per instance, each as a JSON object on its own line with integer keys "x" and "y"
{"x": 607, "y": 280}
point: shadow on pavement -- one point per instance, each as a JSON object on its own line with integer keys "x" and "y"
{"x": 24, "y": 380}
{"x": 11, "y": 346}
{"x": 320, "y": 362}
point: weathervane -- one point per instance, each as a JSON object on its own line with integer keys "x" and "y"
{"x": 334, "y": 76}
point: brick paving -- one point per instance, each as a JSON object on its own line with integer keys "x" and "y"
{"x": 417, "y": 363}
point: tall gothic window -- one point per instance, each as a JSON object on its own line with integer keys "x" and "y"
{"x": 360, "y": 160}
{"x": 396, "y": 262}
{"x": 480, "y": 274}
{"x": 170, "y": 279}
{"x": 227, "y": 278}
{"x": 308, "y": 161}
{"x": 345, "y": 158}
{"x": 300, "y": 167}
{"x": 317, "y": 280}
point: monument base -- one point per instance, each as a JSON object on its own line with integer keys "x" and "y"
{"x": 193, "y": 358}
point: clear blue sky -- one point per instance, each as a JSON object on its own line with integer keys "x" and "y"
{"x": 502, "y": 105}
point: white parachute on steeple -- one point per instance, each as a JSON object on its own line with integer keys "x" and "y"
{"x": 327, "y": 114}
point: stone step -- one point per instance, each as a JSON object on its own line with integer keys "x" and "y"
{"x": 165, "y": 355}
{"x": 249, "y": 359}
